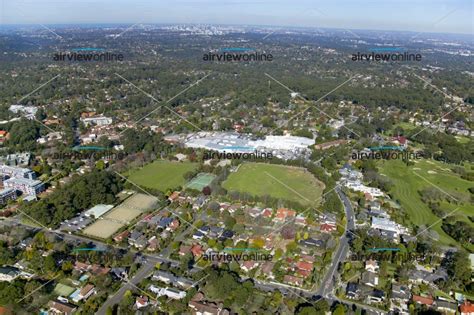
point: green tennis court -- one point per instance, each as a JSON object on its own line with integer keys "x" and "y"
{"x": 63, "y": 290}
{"x": 200, "y": 181}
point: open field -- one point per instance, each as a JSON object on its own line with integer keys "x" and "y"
{"x": 161, "y": 175}
{"x": 256, "y": 179}
{"x": 426, "y": 173}
{"x": 102, "y": 228}
{"x": 121, "y": 215}
{"x": 200, "y": 181}
{"x": 140, "y": 202}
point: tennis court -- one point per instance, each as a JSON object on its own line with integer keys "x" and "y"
{"x": 121, "y": 215}
{"x": 63, "y": 290}
{"x": 200, "y": 181}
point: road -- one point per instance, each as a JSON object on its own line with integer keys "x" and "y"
{"x": 327, "y": 285}
{"x": 141, "y": 274}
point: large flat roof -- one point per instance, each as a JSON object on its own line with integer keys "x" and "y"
{"x": 98, "y": 210}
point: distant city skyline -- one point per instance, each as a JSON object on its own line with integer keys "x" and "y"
{"x": 437, "y": 16}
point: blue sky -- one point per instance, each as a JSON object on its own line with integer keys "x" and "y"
{"x": 444, "y": 16}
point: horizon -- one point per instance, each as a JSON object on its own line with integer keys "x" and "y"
{"x": 420, "y": 16}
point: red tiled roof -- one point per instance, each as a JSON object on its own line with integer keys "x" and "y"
{"x": 423, "y": 300}
{"x": 196, "y": 250}
{"x": 327, "y": 227}
{"x": 467, "y": 307}
{"x": 303, "y": 265}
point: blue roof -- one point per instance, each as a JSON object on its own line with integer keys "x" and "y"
{"x": 165, "y": 222}
{"x": 75, "y": 294}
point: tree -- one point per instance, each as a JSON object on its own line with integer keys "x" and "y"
{"x": 339, "y": 310}
{"x": 206, "y": 191}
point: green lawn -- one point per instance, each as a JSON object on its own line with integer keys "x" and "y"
{"x": 278, "y": 181}
{"x": 161, "y": 175}
{"x": 407, "y": 184}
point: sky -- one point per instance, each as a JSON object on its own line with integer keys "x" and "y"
{"x": 437, "y": 16}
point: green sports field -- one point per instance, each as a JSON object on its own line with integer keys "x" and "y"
{"x": 278, "y": 181}
{"x": 161, "y": 175}
{"x": 200, "y": 181}
{"x": 408, "y": 180}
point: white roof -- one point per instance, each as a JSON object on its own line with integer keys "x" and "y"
{"x": 98, "y": 210}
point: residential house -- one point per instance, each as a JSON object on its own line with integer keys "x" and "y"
{"x": 400, "y": 297}
{"x": 9, "y": 273}
{"x": 370, "y": 278}
{"x": 267, "y": 213}
{"x": 293, "y": 280}
{"x": 426, "y": 277}
{"x": 121, "y": 236}
{"x": 119, "y": 273}
{"x": 371, "y": 265}
{"x": 248, "y": 265}
{"x": 165, "y": 222}
{"x": 267, "y": 269}
{"x": 61, "y": 308}
{"x": 84, "y": 293}
{"x": 300, "y": 219}
{"x": 255, "y": 212}
{"x": 141, "y": 302}
{"x": 184, "y": 249}
{"x": 198, "y": 235}
{"x": 172, "y": 293}
{"x": 467, "y": 308}
{"x": 428, "y": 301}
{"x": 446, "y": 307}
{"x": 312, "y": 242}
{"x": 375, "y": 296}
{"x": 304, "y": 268}
{"x": 327, "y": 228}
{"x": 282, "y": 214}
{"x": 197, "y": 250}
{"x": 353, "y": 290}
{"x": 174, "y": 196}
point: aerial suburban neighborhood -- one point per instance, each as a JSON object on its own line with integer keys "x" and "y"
{"x": 221, "y": 168}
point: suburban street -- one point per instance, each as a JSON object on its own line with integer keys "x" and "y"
{"x": 328, "y": 282}
{"x": 141, "y": 274}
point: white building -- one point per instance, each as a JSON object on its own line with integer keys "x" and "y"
{"x": 9, "y": 273}
{"x": 172, "y": 293}
{"x": 29, "y": 111}
{"x": 7, "y": 194}
{"x": 98, "y": 211}
{"x": 18, "y": 172}
{"x": 99, "y": 121}
{"x": 26, "y": 186}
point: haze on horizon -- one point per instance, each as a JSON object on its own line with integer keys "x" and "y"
{"x": 436, "y": 16}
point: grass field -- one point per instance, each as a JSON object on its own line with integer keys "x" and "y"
{"x": 103, "y": 228}
{"x": 407, "y": 184}
{"x": 278, "y": 181}
{"x": 121, "y": 216}
{"x": 161, "y": 175}
{"x": 200, "y": 181}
